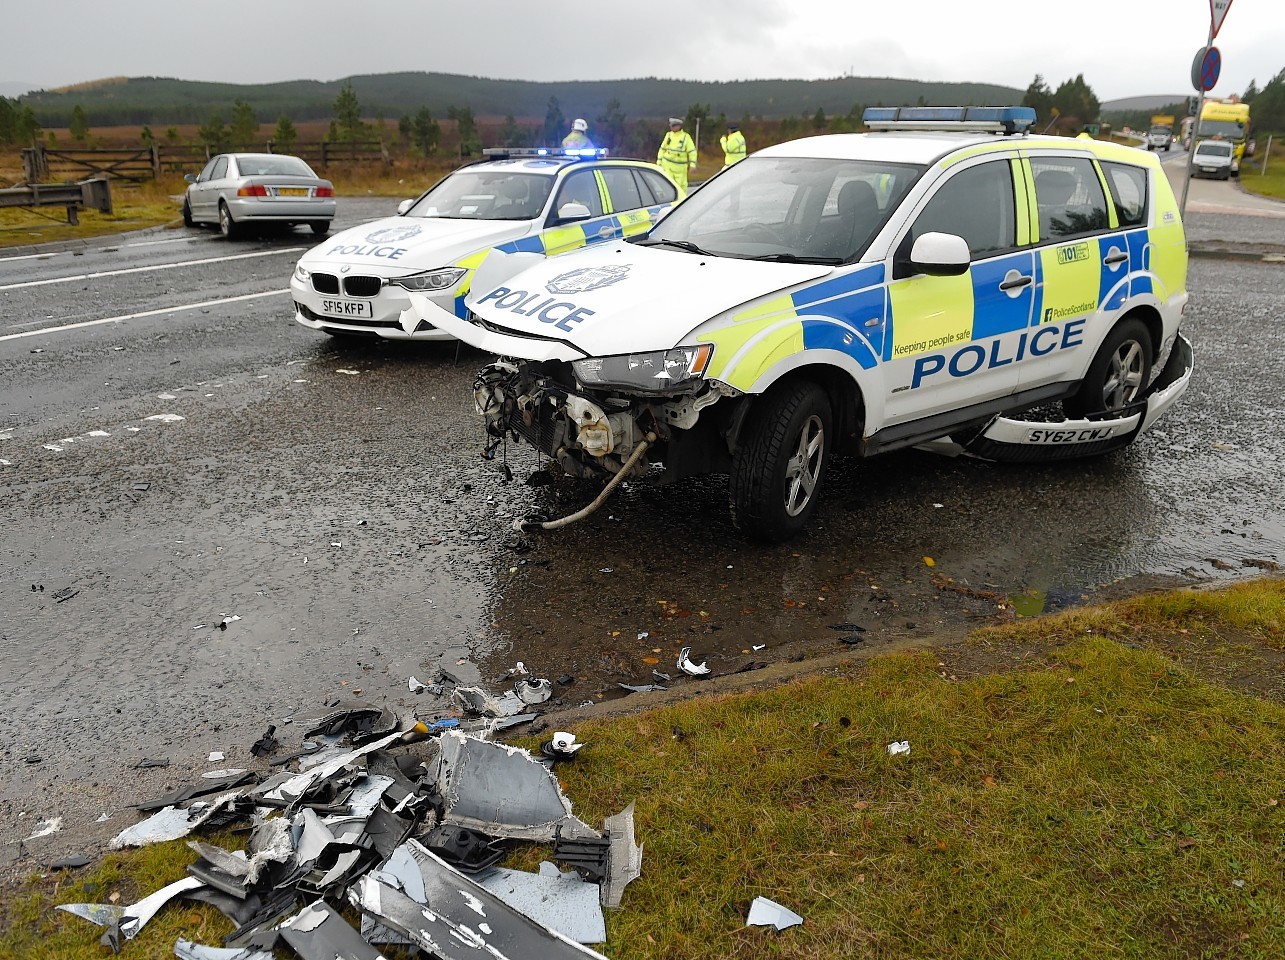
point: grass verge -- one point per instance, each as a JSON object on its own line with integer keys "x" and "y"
{"x": 1099, "y": 801}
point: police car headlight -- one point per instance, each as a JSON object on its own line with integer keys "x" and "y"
{"x": 662, "y": 371}
{"x": 430, "y": 280}
{"x": 302, "y": 273}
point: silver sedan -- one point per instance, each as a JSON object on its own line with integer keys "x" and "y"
{"x": 238, "y": 189}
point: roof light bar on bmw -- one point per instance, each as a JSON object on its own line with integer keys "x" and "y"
{"x": 1006, "y": 120}
{"x": 574, "y": 153}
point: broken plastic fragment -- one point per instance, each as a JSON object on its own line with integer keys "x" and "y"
{"x": 187, "y": 950}
{"x": 416, "y": 686}
{"x": 563, "y": 746}
{"x": 898, "y": 747}
{"x": 46, "y": 828}
{"x": 686, "y": 665}
{"x": 266, "y": 744}
{"x": 560, "y": 901}
{"x": 624, "y": 863}
{"x": 769, "y": 913}
{"x": 317, "y": 932}
{"x": 129, "y": 920}
{"x": 533, "y": 691}
{"x": 641, "y": 687}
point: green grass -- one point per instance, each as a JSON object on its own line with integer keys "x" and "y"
{"x": 1100, "y": 801}
{"x": 1271, "y": 184}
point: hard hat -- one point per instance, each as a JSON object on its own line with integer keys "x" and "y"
{"x": 675, "y": 121}
{"x": 579, "y": 125}
{"x": 733, "y": 126}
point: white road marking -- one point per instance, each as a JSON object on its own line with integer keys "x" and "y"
{"x": 154, "y": 243}
{"x": 31, "y": 256}
{"x": 145, "y": 313}
{"x": 159, "y": 266}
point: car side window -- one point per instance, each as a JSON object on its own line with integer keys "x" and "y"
{"x": 220, "y": 168}
{"x": 621, "y": 188}
{"x": 977, "y": 204}
{"x": 1069, "y": 196}
{"x": 208, "y": 171}
{"x": 661, "y": 189}
{"x": 1128, "y": 192}
{"x": 580, "y": 187}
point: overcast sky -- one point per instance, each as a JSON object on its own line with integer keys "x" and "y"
{"x": 1123, "y": 47}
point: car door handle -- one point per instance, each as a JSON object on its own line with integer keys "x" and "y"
{"x": 1114, "y": 257}
{"x": 1012, "y": 283}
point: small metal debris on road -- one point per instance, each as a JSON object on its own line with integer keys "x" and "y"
{"x": 769, "y": 913}
{"x": 165, "y": 417}
{"x": 351, "y": 373}
{"x": 147, "y": 763}
{"x": 66, "y": 593}
{"x": 642, "y": 687}
{"x": 416, "y": 686}
{"x": 216, "y": 756}
{"x": 898, "y": 747}
{"x": 73, "y": 862}
{"x": 267, "y": 744}
{"x": 756, "y": 647}
{"x": 686, "y": 665}
{"x": 660, "y": 677}
{"x": 223, "y": 624}
{"x": 533, "y": 691}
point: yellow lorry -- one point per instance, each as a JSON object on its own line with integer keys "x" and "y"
{"x": 1226, "y": 120}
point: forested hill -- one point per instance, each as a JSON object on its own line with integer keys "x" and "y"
{"x": 158, "y": 100}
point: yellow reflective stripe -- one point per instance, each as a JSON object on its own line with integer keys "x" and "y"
{"x": 1112, "y": 217}
{"x": 1023, "y": 200}
{"x": 749, "y": 350}
{"x": 1072, "y": 276}
{"x": 1028, "y": 184}
{"x": 471, "y": 263}
{"x": 947, "y": 162}
{"x": 561, "y": 239}
{"x": 634, "y": 221}
{"x": 602, "y": 192}
{"x": 929, "y": 313}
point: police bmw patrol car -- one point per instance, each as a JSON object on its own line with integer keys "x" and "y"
{"x": 924, "y": 283}
{"x": 547, "y": 201}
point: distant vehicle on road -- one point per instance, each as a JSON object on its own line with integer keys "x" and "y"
{"x": 1226, "y": 120}
{"x": 1160, "y": 136}
{"x": 1214, "y": 159}
{"x": 238, "y": 189}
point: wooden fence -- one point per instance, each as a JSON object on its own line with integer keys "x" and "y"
{"x": 42, "y": 163}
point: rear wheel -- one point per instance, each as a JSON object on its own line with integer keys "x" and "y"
{"x": 187, "y": 214}
{"x": 320, "y": 227}
{"x": 1118, "y": 374}
{"x": 227, "y": 226}
{"x": 781, "y": 460}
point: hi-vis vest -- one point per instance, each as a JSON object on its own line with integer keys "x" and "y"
{"x": 677, "y": 149}
{"x": 733, "y": 147}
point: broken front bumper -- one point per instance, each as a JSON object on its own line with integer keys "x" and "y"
{"x": 1021, "y": 441}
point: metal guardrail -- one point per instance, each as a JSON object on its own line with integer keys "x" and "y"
{"x": 95, "y": 194}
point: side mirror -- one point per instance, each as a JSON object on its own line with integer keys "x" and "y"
{"x": 404, "y": 206}
{"x": 940, "y": 255}
{"x": 190, "y": 177}
{"x": 574, "y": 211}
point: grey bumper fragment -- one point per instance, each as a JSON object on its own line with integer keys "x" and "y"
{"x": 463, "y": 920}
{"x": 1020, "y": 441}
{"x": 187, "y": 950}
{"x": 317, "y": 932}
{"x": 624, "y": 863}
{"x": 559, "y": 901}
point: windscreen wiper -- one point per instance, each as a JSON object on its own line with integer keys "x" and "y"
{"x": 795, "y": 258}
{"x": 680, "y": 244}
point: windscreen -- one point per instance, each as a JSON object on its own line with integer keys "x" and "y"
{"x": 1221, "y": 149}
{"x": 1230, "y": 129}
{"x": 789, "y": 209}
{"x": 485, "y": 195}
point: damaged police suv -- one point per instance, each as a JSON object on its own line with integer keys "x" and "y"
{"x": 926, "y": 283}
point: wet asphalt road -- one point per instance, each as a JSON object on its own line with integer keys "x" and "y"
{"x": 331, "y": 496}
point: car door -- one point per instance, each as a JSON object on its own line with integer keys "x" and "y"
{"x": 210, "y": 189}
{"x": 626, "y": 200}
{"x": 198, "y": 194}
{"x": 953, "y": 341}
{"x": 579, "y": 186}
{"x": 1081, "y": 261}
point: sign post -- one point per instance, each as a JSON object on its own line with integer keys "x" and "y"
{"x": 1205, "y": 69}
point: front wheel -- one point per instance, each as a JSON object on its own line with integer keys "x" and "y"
{"x": 1118, "y": 374}
{"x": 780, "y": 462}
{"x": 320, "y": 227}
{"x": 187, "y": 213}
{"x": 227, "y": 226}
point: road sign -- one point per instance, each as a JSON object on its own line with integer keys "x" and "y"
{"x": 1217, "y": 12}
{"x": 1205, "y": 68}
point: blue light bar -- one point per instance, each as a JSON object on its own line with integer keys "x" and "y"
{"x": 1007, "y": 120}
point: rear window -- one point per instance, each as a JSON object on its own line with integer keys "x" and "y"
{"x": 273, "y": 166}
{"x": 1128, "y": 192}
{"x": 1069, "y": 196}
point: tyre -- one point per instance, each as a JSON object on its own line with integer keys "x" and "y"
{"x": 781, "y": 461}
{"x": 1118, "y": 374}
{"x": 227, "y": 226}
{"x": 187, "y": 214}
{"x": 320, "y": 227}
